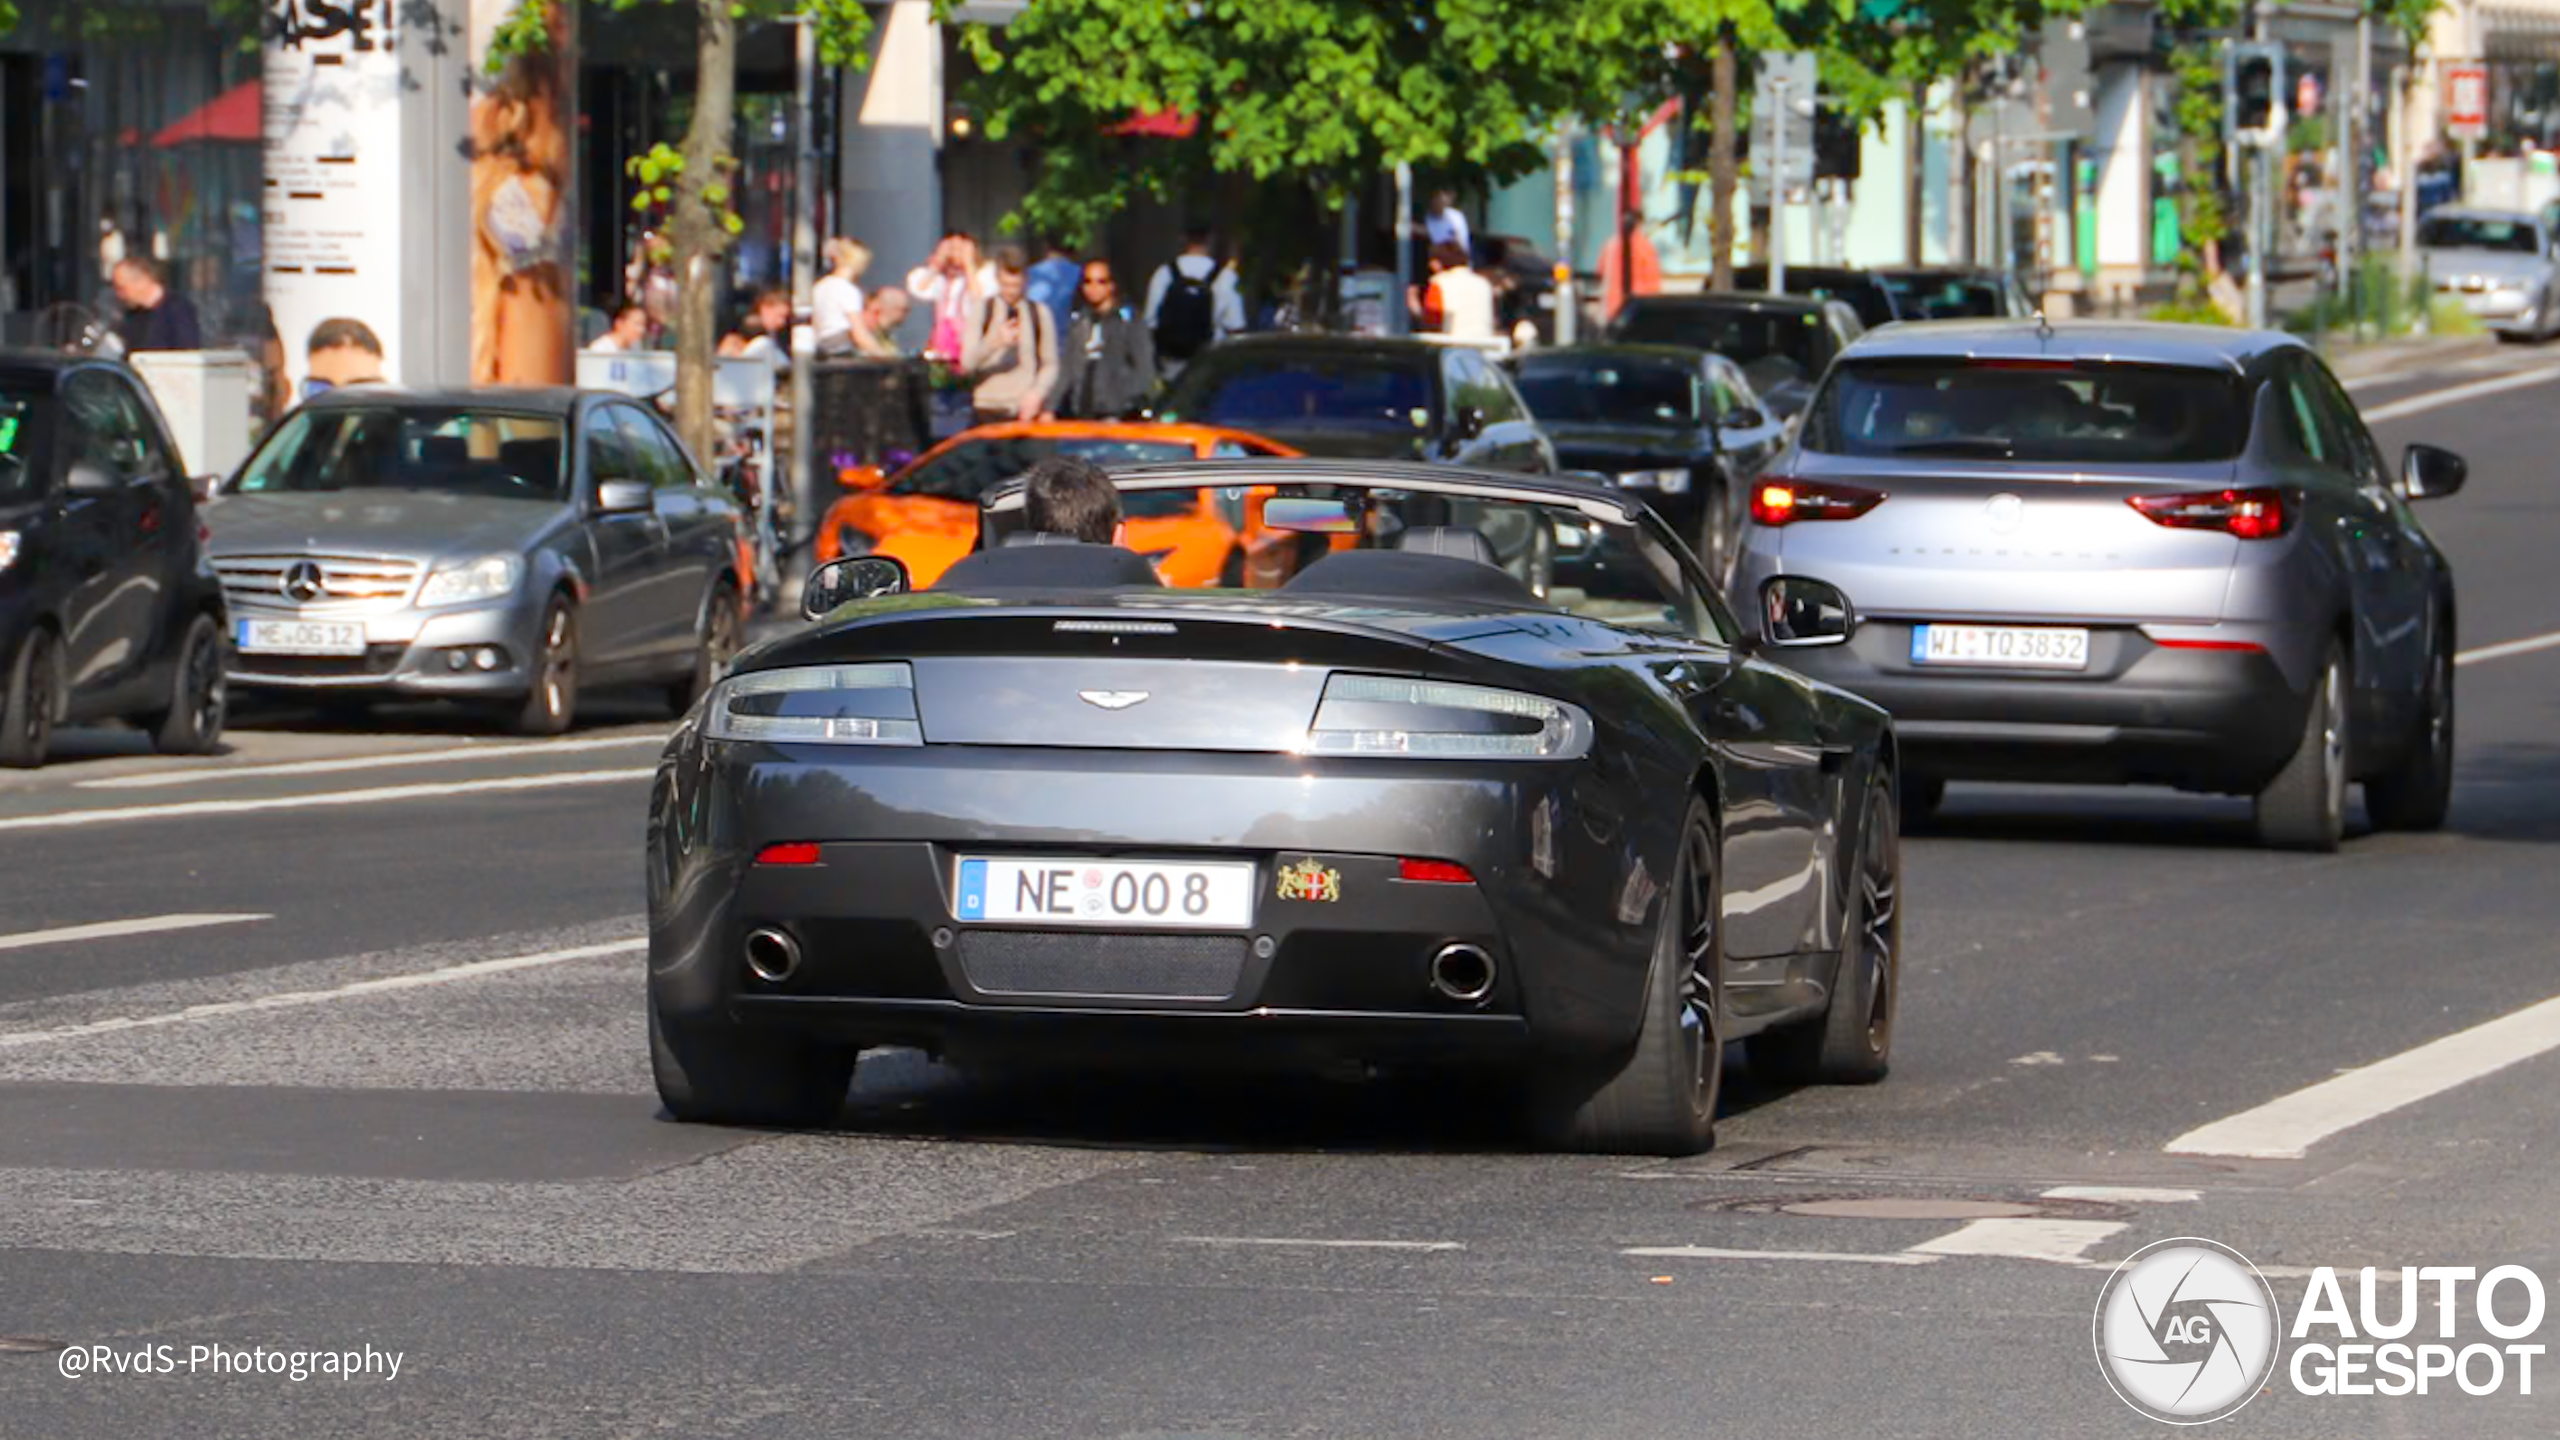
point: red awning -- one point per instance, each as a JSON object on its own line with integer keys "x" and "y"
{"x": 1162, "y": 124}
{"x": 231, "y": 115}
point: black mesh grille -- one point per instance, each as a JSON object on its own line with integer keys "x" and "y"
{"x": 1164, "y": 967}
{"x": 376, "y": 660}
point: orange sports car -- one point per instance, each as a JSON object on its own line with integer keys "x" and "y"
{"x": 927, "y": 514}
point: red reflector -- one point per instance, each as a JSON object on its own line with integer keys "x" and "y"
{"x": 2207, "y": 644}
{"x": 790, "y": 852}
{"x": 1436, "y": 872}
{"x": 2250, "y": 514}
{"x": 1783, "y": 502}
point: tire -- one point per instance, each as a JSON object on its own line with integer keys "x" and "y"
{"x": 722, "y": 629}
{"x": 1662, "y": 1100}
{"x": 1852, "y": 1042}
{"x": 2417, "y": 794}
{"x": 552, "y": 703}
{"x": 721, "y": 1075}
{"x": 29, "y": 702}
{"x": 199, "y": 699}
{"x": 1715, "y": 529}
{"x": 2305, "y": 806}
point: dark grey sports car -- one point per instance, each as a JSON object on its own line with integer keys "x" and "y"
{"x": 1417, "y": 809}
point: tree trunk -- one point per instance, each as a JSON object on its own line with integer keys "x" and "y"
{"x": 699, "y": 236}
{"x": 1914, "y": 193}
{"x": 1720, "y": 177}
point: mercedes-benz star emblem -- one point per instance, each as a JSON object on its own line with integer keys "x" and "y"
{"x": 302, "y": 582}
{"x": 1111, "y": 699}
{"x": 2004, "y": 512}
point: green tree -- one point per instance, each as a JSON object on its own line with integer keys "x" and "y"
{"x": 692, "y": 182}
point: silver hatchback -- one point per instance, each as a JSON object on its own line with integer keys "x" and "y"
{"x": 2125, "y": 553}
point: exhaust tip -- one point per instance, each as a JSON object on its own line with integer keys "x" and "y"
{"x": 772, "y": 955}
{"x": 1462, "y": 973}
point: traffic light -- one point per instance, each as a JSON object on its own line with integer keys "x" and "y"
{"x": 2255, "y": 98}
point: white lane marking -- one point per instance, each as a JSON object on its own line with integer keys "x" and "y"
{"x": 2124, "y": 1194}
{"x": 2064, "y": 1242}
{"x": 2437, "y": 399}
{"x": 198, "y": 774}
{"x": 294, "y": 999}
{"x": 2285, "y": 1127}
{"x": 2505, "y": 648}
{"x": 1321, "y": 1244}
{"x": 110, "y": 929}
{"x": 1710, "y": 1252}
{"x": 65, "y": 819}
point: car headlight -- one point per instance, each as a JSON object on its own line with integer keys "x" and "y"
{"x": 490, "y": 577}
{"x": 870, "y": 704}
{"x": 1394, "y": 715}
{"x": 8, "y": 549}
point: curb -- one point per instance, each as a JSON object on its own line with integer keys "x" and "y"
{"x": 2385, "y": 357}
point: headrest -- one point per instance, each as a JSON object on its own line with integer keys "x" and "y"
{"x": 1404, "y": 574}
{"x": 1457, "y": 542}
{"x": 444, "y": 450}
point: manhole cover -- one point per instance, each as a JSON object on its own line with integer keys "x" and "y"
{"x": 1913, "y": 1207}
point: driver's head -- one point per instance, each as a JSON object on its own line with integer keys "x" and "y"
{"x": 1064, "y": 495}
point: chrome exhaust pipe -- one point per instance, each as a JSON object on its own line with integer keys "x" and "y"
{"x": 772, "y": 955}
{"x": 1462, "y": 973}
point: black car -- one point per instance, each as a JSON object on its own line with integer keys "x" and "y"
{"x": 1680, "y": 427}
{"x": 1955, "y": 292}
{"x": 1401, "y": 812}
{"x": 1352, "y": 397}
{"x": 1781, "y": 342}
{"x": 1867, "y": 292}
{"x": 108, "y": 609}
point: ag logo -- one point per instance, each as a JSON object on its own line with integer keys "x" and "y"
{"x": 1308, "y": 880}
{"x": 2186, "y": 1331}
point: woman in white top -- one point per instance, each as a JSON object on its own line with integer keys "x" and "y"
{"x": 835, "y": 304}
{"x": 953, "y": 280}
{"x": 1462, "y": 298}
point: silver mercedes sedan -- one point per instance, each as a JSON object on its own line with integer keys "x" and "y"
{"x": 2125, "y": 553}
{"x": 2499, "y": 264}
{"x": 507, "y": 547}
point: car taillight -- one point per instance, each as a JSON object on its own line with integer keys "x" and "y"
{"x": 2261, "y": 514}
{"x": 1435, "y": 872}
{"x": 789, "y": 852}
{"x": 1783, "y": 502}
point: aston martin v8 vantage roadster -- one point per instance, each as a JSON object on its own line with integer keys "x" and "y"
{"x": 1428, "y": 807}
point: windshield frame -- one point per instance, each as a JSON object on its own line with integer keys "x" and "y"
{"x": 1580, "y": 368}
{"x": 1220, "y": 366}
{"x": 564, "y": 489}
{"x": 2468, "y": 227}
{"x": 1823, "y": 434}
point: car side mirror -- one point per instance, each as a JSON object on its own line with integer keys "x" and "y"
{"x": 1743, "y": 417}
{"x": 1800, "y": 613}
{"x": 862, "y": 477}
{"x": 624, "y": 497}
{"x": 203, "y": 486}
{"x": 2428, "y": 471}
{"x": 841, "y": 582}
{"x": 84, "y": 478}
{"x": 1466, "y": 423}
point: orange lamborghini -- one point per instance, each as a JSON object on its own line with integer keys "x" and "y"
{"x": 927, "y": 513}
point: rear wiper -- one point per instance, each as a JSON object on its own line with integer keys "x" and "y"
{"x": 1987, "y": 449}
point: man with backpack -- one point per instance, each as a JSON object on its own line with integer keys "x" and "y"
{"x": 1192, "y": 303}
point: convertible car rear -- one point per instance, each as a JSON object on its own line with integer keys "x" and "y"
{"x": 1423, "y": 807}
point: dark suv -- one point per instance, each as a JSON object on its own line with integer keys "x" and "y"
{"x": 108, "y": 607}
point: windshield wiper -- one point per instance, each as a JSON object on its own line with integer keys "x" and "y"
{"x": 1978, "y": 446}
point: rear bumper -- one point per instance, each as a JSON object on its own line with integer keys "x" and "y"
{"x": 2142, "y": 713}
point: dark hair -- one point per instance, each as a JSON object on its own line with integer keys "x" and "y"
{"x": 1451, "y": 254}
{"x": 1065, "y": 495}
{"x": 146, "y": 266}
{"x": 1010, "y": 259}
{"x": 626, "y": 307}
{"x": 1197, "y": 234}
{"x": 773, "y": 296}
{"x": 340, "y": 332}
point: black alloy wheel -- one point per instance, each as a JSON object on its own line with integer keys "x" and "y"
{"x": 28, "y": 703}
{"x": 198, "y": 695}
{"x": 553, "y": 701}
{"x": 1851, "y": 1042}
{"x": 723, "y": 635}
{"x": 2417, "y": 794}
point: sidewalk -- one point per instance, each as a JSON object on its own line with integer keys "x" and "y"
{"x": 2377, "y": 359}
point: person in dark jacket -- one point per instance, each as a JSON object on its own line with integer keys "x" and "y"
{"x": 1071, "y": 539}
{"x": 155, "y": 317}
{"x": 1110, "y": 360}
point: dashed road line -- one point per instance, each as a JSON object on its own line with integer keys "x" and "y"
{"x": 2063, "y": 1242}
{"x": 2455, "y": 395}
{"x": 1312, "y": 1244}
{"x": 112, "y": 929}
{"x": 2500, "y": 651}
{"x": 2123, "y": 1194}
{"x": 1715, "y": 1252}
{"x": 189, "y": 809}
{"x": 463, "y": 755}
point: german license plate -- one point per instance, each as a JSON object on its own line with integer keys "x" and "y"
{"x": 1118, "y": 894}
{"x": 2010, "y": 647}
{"x": 301, "y": 637}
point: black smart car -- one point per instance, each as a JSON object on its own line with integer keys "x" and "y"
{"x": 1782, "y": 343}
{"x": 108, "y": 607}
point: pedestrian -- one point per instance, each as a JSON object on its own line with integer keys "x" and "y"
{"x": 1054, "y": 282}
{"x": 1011, "y": 347}
{"x": 1460, "y": 302}
{"x": 1630, "y": 249}
{"x": 341, "y": 351}
{"x": 1445, "y": 224}
{"x": 155, "y": 318}
{"x": 951, "y": 280}
{"x": 1110, "y": 364}
{"x": 766, "y": 335}
{"x": 835, "y": 303}
{"x": 628, "y": 332}
{"x": 1192, "y": 302}
{"x": 875, "y": 330}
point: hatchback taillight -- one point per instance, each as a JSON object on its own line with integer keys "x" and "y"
{"x": 1784, "y": 502}
{"x": 2261, "y": 514}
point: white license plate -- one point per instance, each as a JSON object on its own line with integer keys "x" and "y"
{"x": 2009, "y": 647}
{"x": 1118, "y": 894}
{"x": 301, "y": 637}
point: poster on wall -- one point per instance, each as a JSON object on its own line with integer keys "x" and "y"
{"x": 332, "y": 182}
{"x": 523, "y": 200}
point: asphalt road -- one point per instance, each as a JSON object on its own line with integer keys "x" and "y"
{"x": 379, "y": 1081}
